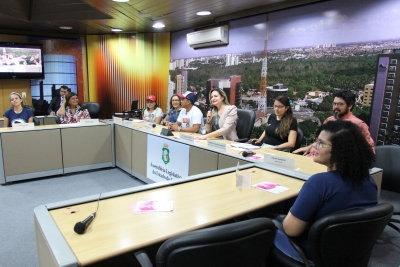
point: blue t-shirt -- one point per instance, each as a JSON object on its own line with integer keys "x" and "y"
{"x": 22, "y": 117}
{"x": 324, "y": 193}
{"x": 327, "y": 192}
{"x": 173, "y": 115}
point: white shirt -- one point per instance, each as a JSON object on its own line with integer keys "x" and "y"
{"x": 151, "y": 117}
{"x": 194, "y": 116}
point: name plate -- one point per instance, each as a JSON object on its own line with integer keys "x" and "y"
{"x": 284, "y": 162}
{"x": 127, "y": 122}
{"x": 187, "y": 137}
{"x": 217, "y": 145}
{"x": 147, "y": 127}
{"x": 23, "y": 126}
{"x": 117, "y": 120}
{"x": 86, "y": 122}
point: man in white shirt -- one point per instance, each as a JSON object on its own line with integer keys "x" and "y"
{"x": 190, "y": 118}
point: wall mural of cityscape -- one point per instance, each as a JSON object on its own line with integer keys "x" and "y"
{"x": 311, "y": 51}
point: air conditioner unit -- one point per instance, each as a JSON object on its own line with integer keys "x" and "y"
{"x": 209, "y": 37}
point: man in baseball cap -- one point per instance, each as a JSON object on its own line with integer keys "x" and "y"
{"x": 190, "y": 118}
{"x": 188, "y": 95}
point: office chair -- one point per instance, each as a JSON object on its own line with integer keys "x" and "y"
{"x": 244, "y": 124}
{"x": 388, "y": 159}
{"x": 343, "y": 238}
{"x": 244, "y": 243}
{"x": 299, "y": 139}
{"x": 36, "y": 121}
{"x": 93, "y": 108}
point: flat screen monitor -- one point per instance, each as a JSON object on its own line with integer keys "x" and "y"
{"x": 134, "y": 104}
{"x": 21, "y": 61}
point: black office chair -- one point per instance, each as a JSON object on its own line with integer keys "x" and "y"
{"x": 36, "y": 121}
{"x": 299, "y": 139}
{"x": 93, "y": 108}
{"x": 244, "y": 124}
{"x": 344, "y": 238}
{"x": 388, "y": 159}
{"x": 244, "y": 243}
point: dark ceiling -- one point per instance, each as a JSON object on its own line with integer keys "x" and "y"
{"x": 86, "y": 17}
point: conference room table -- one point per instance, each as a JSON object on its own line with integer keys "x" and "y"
{"x": 198, "y": 201}
{"x": 50, "y": 150}
{"x": 134, "y": 151}
{"x": 205, "y": 196}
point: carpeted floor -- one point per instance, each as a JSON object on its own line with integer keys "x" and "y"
{"x": 17, "y": 201}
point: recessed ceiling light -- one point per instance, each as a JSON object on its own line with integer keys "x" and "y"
{"x": 143, "y": 15}
{"x": 116, "y": 30}
{"x": 204, "y": 13}
{"x": 121, "y": 1}
{"x": 66, "y": 27}
{"x": 158, "y": 25}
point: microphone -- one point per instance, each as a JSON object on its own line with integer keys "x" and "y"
{"x": 209, "y": 113}
{"x": 248, "y": 153}
{"x": 154, "y": 125}
{"x": 80, "y": 227}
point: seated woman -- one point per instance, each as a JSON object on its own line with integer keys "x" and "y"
{"x": 70, "y": 110}
{"x": 152, "y": 113}
{"x": 281, "y": 130}
{"x": 221, "y": 121}
{"x": 173, "y": 113}
{"x": 17, "y": 114}
{"x": 346, "y": 185}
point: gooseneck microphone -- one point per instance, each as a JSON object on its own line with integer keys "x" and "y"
{"x": 80, "y": 227}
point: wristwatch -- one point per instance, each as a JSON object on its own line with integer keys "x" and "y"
{"x": 276, "y": 147}
{"x": 179, "y": 128}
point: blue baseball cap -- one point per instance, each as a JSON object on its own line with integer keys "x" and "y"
{"x": 188, "y": 95}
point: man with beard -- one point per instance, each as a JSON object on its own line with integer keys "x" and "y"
{"x": 342, "y": 105}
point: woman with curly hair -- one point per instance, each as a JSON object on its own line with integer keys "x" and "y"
{"x": 347, "y": 184}
{"x": 281, "y": 130}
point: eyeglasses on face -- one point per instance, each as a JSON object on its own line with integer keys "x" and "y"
{"x": 278, "y": 107}
{"x": 319, "y": 144}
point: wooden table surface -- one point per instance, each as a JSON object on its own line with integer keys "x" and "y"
{"x": 197, "y": 204}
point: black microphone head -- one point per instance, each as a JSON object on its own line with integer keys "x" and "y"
{"x": 154, "y": 125}
{"x": 247, "y": 153}
{"x": 79, "y": 228}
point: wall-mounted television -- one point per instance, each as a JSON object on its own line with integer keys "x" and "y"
{"x": 21, "y": 61}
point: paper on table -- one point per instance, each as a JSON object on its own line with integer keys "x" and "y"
{"x": 245, "y": 146}
{"x": 152, "y": 206}
{"x": 271, "y": 187}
